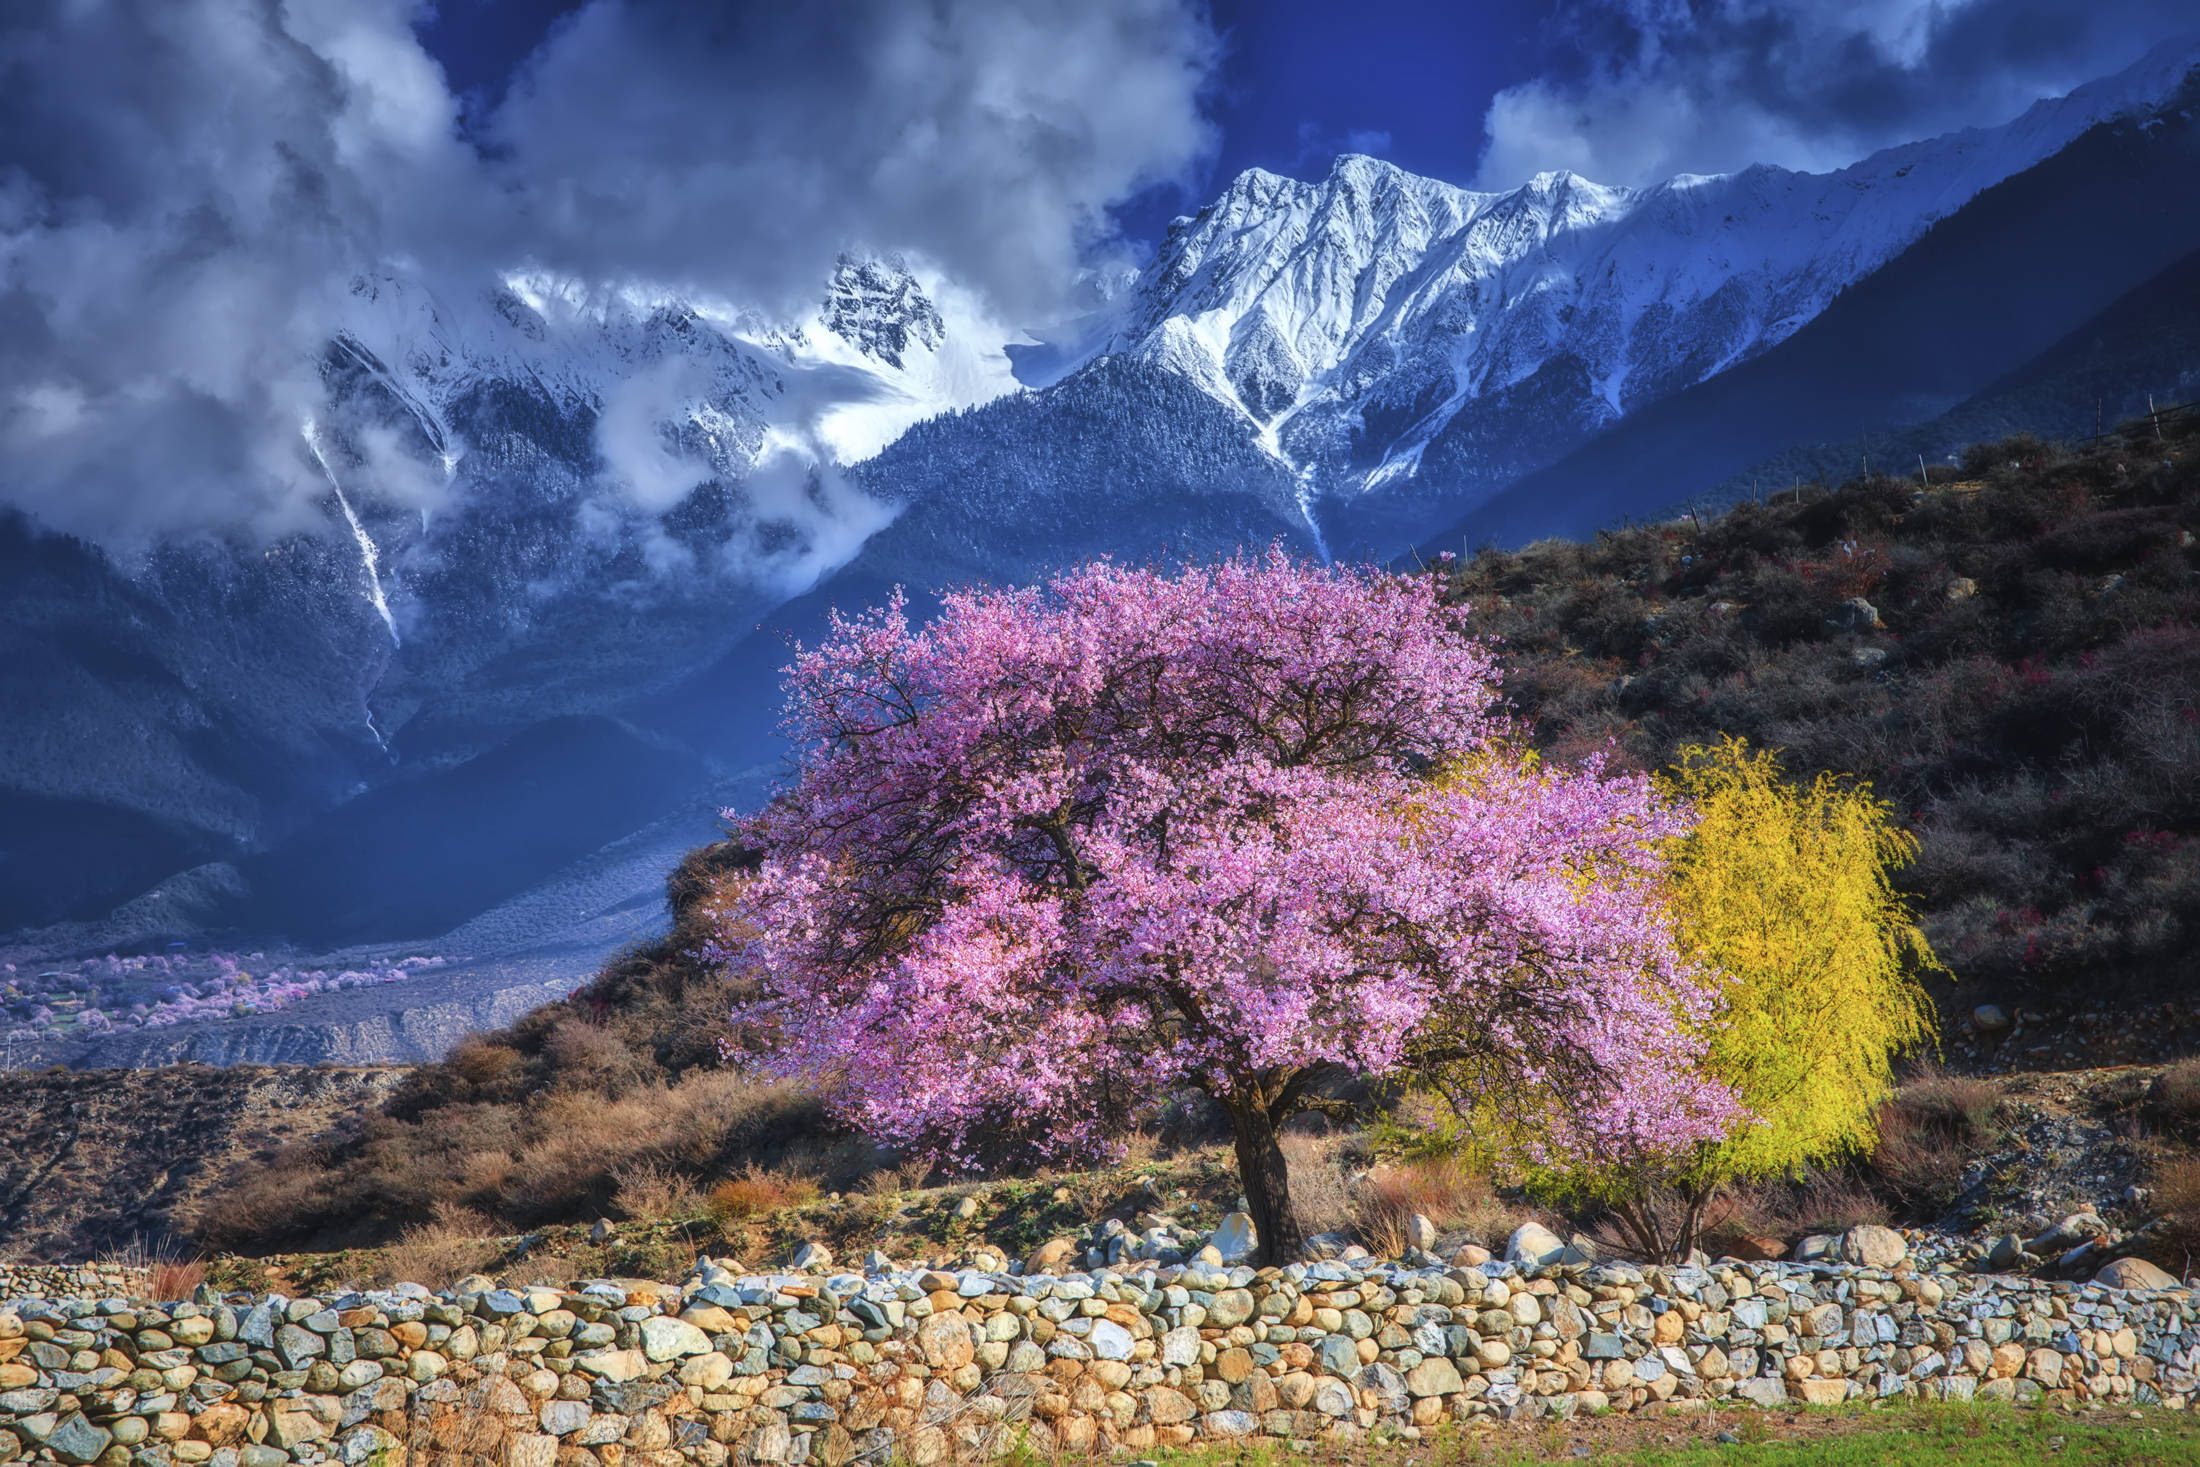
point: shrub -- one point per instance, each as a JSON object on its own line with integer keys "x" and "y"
{"x": 451, "y": 1244}
{"x": 2173, "y": 1101}
{"x": 648, "y": 1192}
{"x": 1928, "y": 1131}
{"x": 755, "y": 1193}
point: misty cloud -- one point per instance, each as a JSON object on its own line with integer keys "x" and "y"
{"x": 1639, "y": 90}
{"x": 188, "y": 189}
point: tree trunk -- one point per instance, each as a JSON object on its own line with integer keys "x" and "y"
{"x": 1266, "y": 1178}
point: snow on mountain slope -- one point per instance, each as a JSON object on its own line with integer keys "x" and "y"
{"x": 1352, "y": 320}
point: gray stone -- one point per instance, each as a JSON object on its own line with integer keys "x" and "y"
{"x": 1230, "y": 1423}
{"x": 1819, "y": 1248}
{"x": 1603, "y": 1345}
{"x": 1762, "y": 1390}
{"x": 664, "y": 1338}
{"x": 1336, "y": 1356}
{"x": 1109, "y": 1340}
{"x": 77, "y": 1440}
{"x": 563, "y": 1418}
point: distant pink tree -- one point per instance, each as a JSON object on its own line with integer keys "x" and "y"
{"x": 1134, "y": 832}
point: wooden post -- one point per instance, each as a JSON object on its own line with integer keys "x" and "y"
{"x": 2155, "y": 417}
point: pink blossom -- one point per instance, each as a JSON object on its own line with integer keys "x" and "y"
{"x": 1077, "y": 846}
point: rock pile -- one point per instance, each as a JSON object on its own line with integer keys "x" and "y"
{"x": 71, "y": 1281}
{"x": 924, "y": 1366}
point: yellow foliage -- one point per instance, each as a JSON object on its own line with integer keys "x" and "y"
{"x": 1784, "y": 888}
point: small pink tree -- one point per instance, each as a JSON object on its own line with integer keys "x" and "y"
{"x": 1134, "y": 832}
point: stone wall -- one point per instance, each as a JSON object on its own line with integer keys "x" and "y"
{"x": 925, "y": 1367}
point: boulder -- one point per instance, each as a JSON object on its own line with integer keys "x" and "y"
{"x": 1420, "y": 1232}
{"x": 1854, "y": 615}
{"x": 1989, "y": 1018}
{"x": 1819, "y": 1248}
{"x": 1435, "y": 1376}
{"x": 1534, "y": 1245}
{"x": 672, "y": 1339}
{"x": 1873, "y": 1246}
{"x": 1237, "y": 1239}
{"x": 811, "y": 1257}
{"x": 1052, "y": 1256}
{"x": 1752, "y": 1247}
{"x": 2135, "y": 1273}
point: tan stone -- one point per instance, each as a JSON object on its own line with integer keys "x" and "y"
{"x": 1166, "y": 1407}
{"x": 2045, "y": 1366}
{"x": 530, "y": 1449}
{"x": 945, "y": 1342}
{"x": 2008, "y": 1359}
{"x": 1667, "y": 1330}
{"x": 1051, "y": 1255}
{"x": 1821, "y": 1392}
{"x": 221, "y": 1423}
{"x": 1233, "y": 1365}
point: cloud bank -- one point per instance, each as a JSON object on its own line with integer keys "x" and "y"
{"x": 1638, "y": 90}
{"x": 189, "y": 187}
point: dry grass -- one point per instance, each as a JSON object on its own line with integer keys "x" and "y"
{"x": 2173, "y": 1103}
{"x": 652, "y": 1193}
{"x": 441, "y": 1251}
{"x": 1449, "y": 1193}
{"x": 2175, "y": 1178}
{"x": 1928, "y": 1133}
{"x": 757, "y": 1192}
{"x": 906, "y": 1175}
{"x": 173, "y": 1280}
{"x": 1320, "y": 1199}
{"x": 1822, "y": 1203}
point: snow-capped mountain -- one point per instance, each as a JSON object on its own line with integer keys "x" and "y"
{"x": 558, "y": 518}
{"x": 1395, "y": 336}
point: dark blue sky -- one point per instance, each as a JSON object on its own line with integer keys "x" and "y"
{"x": 1627, "y": 91}
{"x": 1301, "y": 81}
{"x": 1406, "y": 80}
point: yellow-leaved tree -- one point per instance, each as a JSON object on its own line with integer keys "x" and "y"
{"x": 1783, "y": 895}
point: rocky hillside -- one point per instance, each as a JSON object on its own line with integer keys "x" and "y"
{"x": 115, "y": 1160}
{"x": 2010, "y": 653}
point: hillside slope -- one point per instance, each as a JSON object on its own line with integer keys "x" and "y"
{"x": 2012, "y": 659}
{"x": 2001, "y": 281}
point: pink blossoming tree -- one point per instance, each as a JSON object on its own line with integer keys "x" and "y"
{"x": 1134, "y": 832}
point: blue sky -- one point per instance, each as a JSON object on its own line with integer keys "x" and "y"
{"x": 1487, "y": 91}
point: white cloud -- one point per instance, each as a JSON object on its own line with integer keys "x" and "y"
{"x": 1639, "y": 90}
{"x": 188, "y": 187}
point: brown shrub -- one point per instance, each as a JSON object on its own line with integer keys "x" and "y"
{"x": 1320, "y": 1200}
{"x": 452, "y": 1243}
{"x": 1446, "y": 1190}
{"x": 756, "y": 1192}
{"x": 1928, "y": 1132}
{"x": 2173, "y": 1101}
{"x": 651, "y": 1193}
